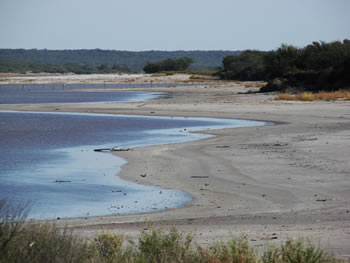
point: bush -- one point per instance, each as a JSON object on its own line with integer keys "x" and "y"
{"x": 109, "y": 246}
{"x": 249, "y": 65}
{"x": 235, "y": 250}
{"x": 12, "y": 218}
{"x": 180, "y": 64}
{"x": 46, "y": 243}
{"x": 157, "y": 246}
{"x": 319, "y": 66}
{"x": 20, "y": 242}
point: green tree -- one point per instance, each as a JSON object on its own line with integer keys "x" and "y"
{"x": 180, "y": 64}
{"x": 249, "y": 65}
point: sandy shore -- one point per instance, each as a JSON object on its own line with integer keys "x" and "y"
{"x": 8, "y": 78}
{"x": 268, "y": 183}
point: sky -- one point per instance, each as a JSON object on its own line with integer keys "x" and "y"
{"x": 139, "y": 25}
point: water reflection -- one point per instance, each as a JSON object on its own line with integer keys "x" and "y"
{"x": 48, "y": 158}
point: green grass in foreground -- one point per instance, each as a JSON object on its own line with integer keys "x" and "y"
{"x": 20, "y": 242}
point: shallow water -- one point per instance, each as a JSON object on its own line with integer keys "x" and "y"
{"x": 34, "y": 94}
{"x": 48, "y": 158}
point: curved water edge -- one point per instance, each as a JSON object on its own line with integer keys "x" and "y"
{"x": 76, "y": 97}
{"x": 12, "y": 94}
{"x": 78, "y": 182}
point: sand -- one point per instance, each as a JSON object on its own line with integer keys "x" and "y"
{"x": 268, "y": 183}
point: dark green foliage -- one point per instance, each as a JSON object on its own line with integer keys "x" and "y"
{"x": 11, "y": 66}
{"x": 180, "y": 64}
{"x": 283, "y": 60}
{"x": 249, "y": 65}
{"x": 135, "y": 61}
{"x": 318, "y": 66}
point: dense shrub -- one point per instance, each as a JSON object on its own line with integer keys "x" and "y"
{"x": 249, "y": 65}
{"x": 180, "y": 64}
{"x": 318, "y": 66}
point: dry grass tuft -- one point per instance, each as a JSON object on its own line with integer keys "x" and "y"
{"x": 333, "y": 95}
{"x": 305, "y": 96}
{"x": 255, "y": 84}
{"x": 309, "y": 96}
{"x": 249, "y": 85}
{"x": 157, "y": 75}
{"x": 285, "y": 96}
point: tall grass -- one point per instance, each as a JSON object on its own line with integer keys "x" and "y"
{"x": 256, "y": 84}
{"x": 309, "y": 96}
{"x": 25, "y": 242}
{"x": 39, "y": 243}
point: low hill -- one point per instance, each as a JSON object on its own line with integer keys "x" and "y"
{"x": 135, "y": 61}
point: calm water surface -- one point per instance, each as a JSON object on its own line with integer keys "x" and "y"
{"x": 32, "y": 94}
{"x": 48, "y": 158}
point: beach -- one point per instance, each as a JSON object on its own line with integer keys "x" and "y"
{"x": 269, "y": 183}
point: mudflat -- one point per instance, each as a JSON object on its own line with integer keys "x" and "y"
{"x": 269, "y": 183}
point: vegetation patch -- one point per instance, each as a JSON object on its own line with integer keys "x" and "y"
{"x": 319, "y": 66}
{"x": 35, "y": 242}
{"x": 169, "y": 65}
{"x": 203, "y": 72}
{"x": 14, "y": 66}
{"x": 133, "y": 60}
{"x": 309, "y": 96}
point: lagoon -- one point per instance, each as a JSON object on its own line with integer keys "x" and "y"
{"x": 48, "y": 159}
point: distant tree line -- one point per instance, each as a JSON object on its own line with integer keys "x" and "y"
{"x": 180, "y": 64}
{"x": 12, "y": 66}
{"x": 135, "y": 61}
{"x": 318, "y": 66}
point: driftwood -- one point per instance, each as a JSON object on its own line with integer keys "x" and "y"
{"x": 114, "y": 149}
{"x": 103, "y": 150}
{"x": 62, "y": 181}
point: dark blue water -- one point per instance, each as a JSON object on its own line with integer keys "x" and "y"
{"x": 31, "y": 94}
{"x": 39, "y": 149}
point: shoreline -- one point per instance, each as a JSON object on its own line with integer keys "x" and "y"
{"x": 290, "y": 179}
{"x": 186, "y": 130}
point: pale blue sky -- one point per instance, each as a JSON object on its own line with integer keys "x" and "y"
{"x": 171, "y": 25}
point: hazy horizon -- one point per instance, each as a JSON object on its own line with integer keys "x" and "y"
{"x": 157, "y": 25}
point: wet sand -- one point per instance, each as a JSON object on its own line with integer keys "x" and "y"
{"x": 287, "y": 180}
